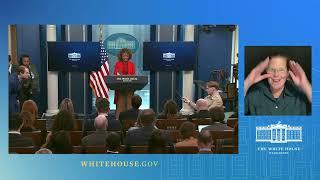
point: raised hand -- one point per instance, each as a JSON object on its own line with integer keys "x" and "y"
{"x": 256, "y": 75}
{"x": 185, "y": 100}
{"x": 300, "y": 79}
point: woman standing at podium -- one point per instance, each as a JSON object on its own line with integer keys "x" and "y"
{"x": 124, "y": 66}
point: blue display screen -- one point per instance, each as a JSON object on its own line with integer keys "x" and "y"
{"x": 169, "y": 56}
{"x": 73, "y": 56}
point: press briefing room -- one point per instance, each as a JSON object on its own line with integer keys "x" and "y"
{"x": 127, "y": 89}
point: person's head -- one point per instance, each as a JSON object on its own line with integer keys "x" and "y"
{"x": 102, "y": 105}
{"x": 101, "y": 122}
{"x": 136, "y": 101}
{"x": 217, "y": 114}
{"x": 60, "y": 143}
{"x": 201, "y": 104}
{"x": 27, "y": 119}
{"x": 212, "y": 87}
{"x": 125, "y": 54}
{"x": 204, "y": 139}
{"x": 63, "y": 121}
{"x": 157, "y": 143}
{"x": 147, "y": 117}
{"x": 23, "y": 72}
{"x": 170, "y": 107}
{"x": 113, "y": 141}
{"x": 15, "y": 122}
{"x": 187, "y": 130}
{"x": 278, "y": 67}
{"x": 25, "y": 60}
{"x": 66, "y": 105}
{"x": 31, "y": 107}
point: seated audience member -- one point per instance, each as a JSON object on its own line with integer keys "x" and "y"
{"x": 202, "y": 110}
{"x": 60, "y": 143}
{"x": 272, "y": 93}
{"x": 15, "y": 137}
{"x": 102, "y": 108}
{"x": 63, "y": 121}
{"x": 170, "y": 111}
{"x": 98, "y": 138}
{"x": 131, "y": 114}
{"x": 27, "y": 125}
{"x": 43, "y": 151}
{"x": 188, "y": 133}
{"x": 217, "y": 117}
{"x": 141, "y": 136}
{"x": 213, "y": 99}
{"x": 157, "y": 143}
{"x": 113, "y": 143}
{"x": 31, "y": 107}
{"x": 67, "y": 105}
{"x": 205, "y": 142}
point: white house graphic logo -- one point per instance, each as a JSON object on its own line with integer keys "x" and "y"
{"x": 74, "y": 56}
{"x": 279, "y": 133}
{"x": 168, "y": 56}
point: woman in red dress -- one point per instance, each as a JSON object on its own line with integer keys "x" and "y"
{"x": 124, "y": 66}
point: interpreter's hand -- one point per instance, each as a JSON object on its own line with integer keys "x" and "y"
{"x": 256, "y": 75}
{"x": 185, "y": 100}
{"x": 300, "y": 79}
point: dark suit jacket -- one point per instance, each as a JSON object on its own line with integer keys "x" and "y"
{"x": 200, "y": 114}
{"x": 217, "y": 127}
{"x": 14, "y": 89}
{"x": 17, "y": 140}
{"x": 113, "y": 123}
{"x": 95, "y": 139}
{"x": 141, "y": 136}
{"x": 131, "y": 114}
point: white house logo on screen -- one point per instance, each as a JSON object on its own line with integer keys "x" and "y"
{"x": 279, "y": 133}
{"x": 74, "y": 56}
{"x": 168, "y": 56}
{"x": 115, "y": 42}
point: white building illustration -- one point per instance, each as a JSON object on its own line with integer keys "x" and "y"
{"x": 278, "y": 133}
{"x": 121, "y": 43}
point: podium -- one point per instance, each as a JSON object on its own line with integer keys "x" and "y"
{"x": 125, "y": 87}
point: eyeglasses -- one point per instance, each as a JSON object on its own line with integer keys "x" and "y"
{"x": 280, "y": 71}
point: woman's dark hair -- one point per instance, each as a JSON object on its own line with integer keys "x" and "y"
{"x": 187, "y": 129}
{"x": 136, "y": 101}
{"x": 157, "y": 143}
{"x": 124, "y": 50}
{"x": 63, "y": 121}
{"x": 60, "y": 143}
{"x": 102, "y": 104}
{"x": 170, "y": 108}
{"x": 113, "y": 141}
{"x": 24, "y": 56}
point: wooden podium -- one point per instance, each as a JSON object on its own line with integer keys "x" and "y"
{"x": 125, "y": 87}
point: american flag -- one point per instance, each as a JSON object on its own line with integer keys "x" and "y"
{"x": 97, "y": 78}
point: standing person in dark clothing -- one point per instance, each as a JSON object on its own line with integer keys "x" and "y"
{"x": 25, "y": 61}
